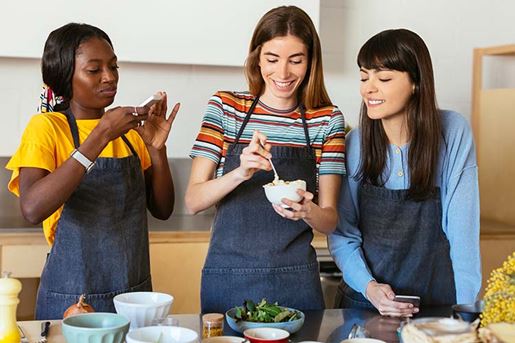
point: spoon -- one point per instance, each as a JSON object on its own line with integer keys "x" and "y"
{"x": 357, "y": 331}
{"x": 276, "y": 176}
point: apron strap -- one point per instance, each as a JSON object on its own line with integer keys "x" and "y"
{"x": 126, "y": 140}
{"x": 251, "y": 110}
{"x": 72, "y": 122}
{"x": 73, "y": 127}
{"x": 247, "y": 118}
{"x": 305, "y": 125}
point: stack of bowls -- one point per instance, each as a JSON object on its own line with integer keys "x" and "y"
{"x": 142, "y": 308}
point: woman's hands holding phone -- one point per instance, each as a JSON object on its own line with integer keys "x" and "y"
{"x": 157, "y": 127}
{"x": 383, "y": 298}
{"x": 118, "y": 120}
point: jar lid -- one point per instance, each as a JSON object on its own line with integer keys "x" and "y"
{"x": 212, "y": 317}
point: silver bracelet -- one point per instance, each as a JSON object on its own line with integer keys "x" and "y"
{"x": 77, "y": 155}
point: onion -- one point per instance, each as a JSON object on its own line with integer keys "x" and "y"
{"x": 79, "y": 307}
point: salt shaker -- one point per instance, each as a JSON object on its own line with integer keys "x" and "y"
{"x": 9, "y": 290}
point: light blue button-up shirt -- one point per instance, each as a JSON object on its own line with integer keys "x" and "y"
{"x": 458, "y": 181}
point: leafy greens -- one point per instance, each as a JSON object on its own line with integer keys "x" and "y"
{"x": 264, "y": 312}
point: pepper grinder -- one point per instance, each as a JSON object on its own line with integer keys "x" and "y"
{"x": 9, "y": 290}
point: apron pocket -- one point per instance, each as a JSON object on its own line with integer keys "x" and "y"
{"x": 51, "y": 304}
{"x": 310, "y": 267}
{"x": 292, "y": 286}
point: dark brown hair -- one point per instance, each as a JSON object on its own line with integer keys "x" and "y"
{"x": 280, "y": 22}
{"x": 58, "y": 61}
{"x": 405, "y": 51}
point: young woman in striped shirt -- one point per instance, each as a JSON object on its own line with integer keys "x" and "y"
{"x": 258, "y": 249}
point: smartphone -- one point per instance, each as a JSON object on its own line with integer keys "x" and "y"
{"x": 412, "y": 299}
{"x": 151, "y": 100}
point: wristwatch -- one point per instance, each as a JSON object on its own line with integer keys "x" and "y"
{"x": 76, "y": 154}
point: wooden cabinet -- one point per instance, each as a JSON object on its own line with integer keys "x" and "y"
{"x": 493, "y": 122}
{"x": 177, "y": 258}
{"x": 176, "y": 269}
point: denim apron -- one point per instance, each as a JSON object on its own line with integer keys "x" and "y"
{"x": 255, "y": 253}
{"x": 404, "y": 246}
{"x": 101, "y": 242}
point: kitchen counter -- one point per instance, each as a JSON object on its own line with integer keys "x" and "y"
{"x": 178, "y": 229}
{"x": 176, "y": 222}
{"x": 331, "y": 326}
{"x": 185, "y": 238}
{"x": 178, "y": 248}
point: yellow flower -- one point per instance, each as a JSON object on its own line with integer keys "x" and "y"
{"x": 500, "y": 294}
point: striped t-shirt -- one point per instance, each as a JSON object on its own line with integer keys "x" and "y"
{"x": 227, "y": 110}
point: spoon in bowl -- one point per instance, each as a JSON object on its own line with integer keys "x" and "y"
{"x": 276, "y": 176}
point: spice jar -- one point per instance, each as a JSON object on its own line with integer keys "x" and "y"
{"x": 212, "y": 325}
{"x": 9, "y": 290}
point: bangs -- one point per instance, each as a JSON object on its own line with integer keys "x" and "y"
{"x": 382, "y": 52}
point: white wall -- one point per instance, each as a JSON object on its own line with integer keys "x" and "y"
{"x": 451, "y": 30}
{"x": 156, "y": 31}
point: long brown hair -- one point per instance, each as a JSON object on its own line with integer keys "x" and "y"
{"x": 405, "y": 51}
{"x": 280, "y": 22}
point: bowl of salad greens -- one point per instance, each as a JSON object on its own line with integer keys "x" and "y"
{"x": 264, "y": 314}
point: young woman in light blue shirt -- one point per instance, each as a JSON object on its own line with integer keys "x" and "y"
{"x": 409, "y": 205}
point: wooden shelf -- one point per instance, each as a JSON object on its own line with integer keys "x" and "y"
{"x": 493, "y": 120}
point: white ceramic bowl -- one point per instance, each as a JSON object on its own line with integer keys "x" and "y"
{"x": 141, "y": 308}
{"x": 284, "y": 189}
{"x": 162, "y": 334}
{"x": 266, "y": 335}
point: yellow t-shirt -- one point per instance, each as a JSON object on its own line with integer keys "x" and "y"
{"x": 47, "y": 142}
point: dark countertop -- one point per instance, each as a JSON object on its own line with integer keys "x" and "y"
{"x": 333, "y": 326}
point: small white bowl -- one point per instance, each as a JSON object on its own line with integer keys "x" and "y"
{"x": 141, "y": 308}
{"x": 162, "y": 334}
{"x": 284, "y": 189}
{"x": 266, "y": 335}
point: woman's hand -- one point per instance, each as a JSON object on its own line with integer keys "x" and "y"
{"x": 382, "y": 297}
{"x": 296, "y": 210}
{"x": 156, "y": 128}
{"x": 255, "y": 156}
{"x": 117, "y": 121}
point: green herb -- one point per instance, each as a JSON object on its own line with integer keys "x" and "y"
{"x": 264, "y": 312}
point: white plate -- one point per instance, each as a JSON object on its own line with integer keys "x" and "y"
{"x": 441, "y": 325}
{"x": 223, "y": 339}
